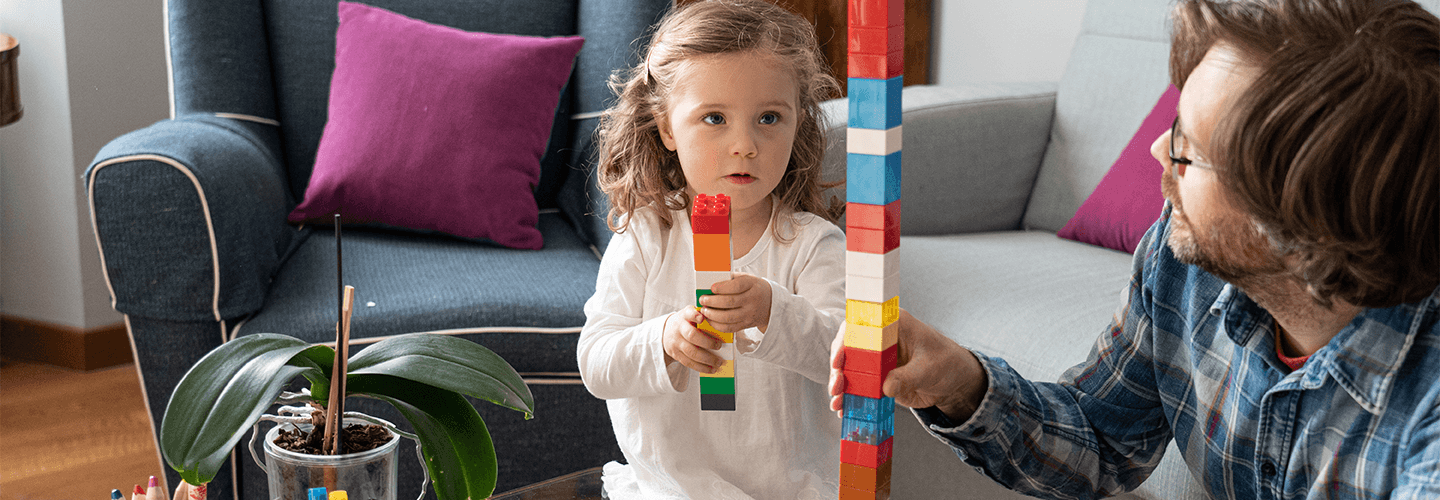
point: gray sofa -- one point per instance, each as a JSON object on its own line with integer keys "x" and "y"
{"x": 991, "y": 173}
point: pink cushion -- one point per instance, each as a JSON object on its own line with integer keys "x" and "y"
{"x": 434, "y": 128}
{"x": 1128, "y": 199}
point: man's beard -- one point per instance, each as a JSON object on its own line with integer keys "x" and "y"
{"x": 1232, "y": 248}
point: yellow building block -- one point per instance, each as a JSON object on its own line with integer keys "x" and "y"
{"x": 727, "y": 370}
{"x": 726, "y": 337}
{"x": 870, "y": 337}
{"x": 860, "y": 312}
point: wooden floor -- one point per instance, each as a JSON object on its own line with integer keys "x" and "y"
{"x": 68, "y": 435}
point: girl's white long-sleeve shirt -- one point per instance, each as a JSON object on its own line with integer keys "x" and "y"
{"x": 782, "y": 441}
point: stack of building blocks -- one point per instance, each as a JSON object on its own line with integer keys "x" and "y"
{"x": 710, "y": 222}
{"x": 872, "y": 231}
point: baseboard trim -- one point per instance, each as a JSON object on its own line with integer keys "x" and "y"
{"x": 65, "y": 346}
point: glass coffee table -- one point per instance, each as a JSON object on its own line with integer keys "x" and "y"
{"x": 583, "y": 485}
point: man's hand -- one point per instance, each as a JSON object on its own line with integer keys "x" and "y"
{"x": 741, "y": 302}
{"x": 932, "y": 370}
{"x": 690, "y": 346}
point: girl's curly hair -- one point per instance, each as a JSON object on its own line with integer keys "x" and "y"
{"x": 636, "y": 170}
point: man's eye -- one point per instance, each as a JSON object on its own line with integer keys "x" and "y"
{"x": 769, "y": 119}
{"x": 713, "y": 119}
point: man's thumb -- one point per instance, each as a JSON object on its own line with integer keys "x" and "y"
{"x": 899, "y": 384}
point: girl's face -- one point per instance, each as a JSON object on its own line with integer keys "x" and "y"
{"x": 732, "y": 119}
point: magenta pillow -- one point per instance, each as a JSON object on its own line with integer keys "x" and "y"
{"x": 1128, "y": 199}
{"x": 435, "y": 128}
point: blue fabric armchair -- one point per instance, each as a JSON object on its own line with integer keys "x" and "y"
{"x": 190, "y": 216}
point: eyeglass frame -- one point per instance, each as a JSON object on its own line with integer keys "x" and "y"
{"x": 1180, "y": 162}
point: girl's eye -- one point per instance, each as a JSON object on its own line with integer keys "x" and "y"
{"x": 769, "y": 119}
{"x": 713, "y": 119}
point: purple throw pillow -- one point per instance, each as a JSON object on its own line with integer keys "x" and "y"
{"x": 435, "y": 128}
{"x": 1128, "y": 199}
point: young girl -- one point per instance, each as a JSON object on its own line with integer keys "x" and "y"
{"x": 726, "y": 101}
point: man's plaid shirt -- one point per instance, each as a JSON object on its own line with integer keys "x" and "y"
{"x": 1192, "y": 358}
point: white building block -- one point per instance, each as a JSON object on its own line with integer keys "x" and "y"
{"x": 706, "y": 279}
{"x": 871, "y": 264}
{"x": 872, "y": 141}
{"x": 868, "y": 289}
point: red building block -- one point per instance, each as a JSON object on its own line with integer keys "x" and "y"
{"x": 876, "y": 13}
{"x": 859, "y": 360}
{"x": 885, "y": 40}
{"x": 710, "y": 214}
{"x": 864, "y": 384}
{"x": 858, "y": 239}
{"x": 879, "y": 67}
{"x": 867, "y": 216}
{"x": 865, "y": 454}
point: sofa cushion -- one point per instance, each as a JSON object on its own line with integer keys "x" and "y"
{"x": 1027, "y": 296}
{"x": 1117, "y": 69}
{"x": 1035, "y": 300}
{"x": 527, "y": 306}
{"x": 1128, "y": 199}
{"x": 301, "y": 43}
{"x": 436, "y": 128}
{"x": 971, "y": 154}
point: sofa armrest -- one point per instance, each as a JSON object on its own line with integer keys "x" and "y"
{"x": 971, "y": 154}
{"x": 190, "y": 217}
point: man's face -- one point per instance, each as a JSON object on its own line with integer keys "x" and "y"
{"x": 1207, "y": 230}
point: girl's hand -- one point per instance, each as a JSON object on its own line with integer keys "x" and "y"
{"x": 689, "y": 345}
{"x": 739, "y": 303}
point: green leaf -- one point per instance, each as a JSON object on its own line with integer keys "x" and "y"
{"x": 224, "y": 393}
{"x": 457, "y": 447}
{"x": 448, "y": 363}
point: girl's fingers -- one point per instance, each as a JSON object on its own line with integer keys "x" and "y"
{"x": 701, "y": 339}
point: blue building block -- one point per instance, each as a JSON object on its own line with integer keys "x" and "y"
{"x": 872, "y": 409}
{"x": 868, "y": 420}
{"x": 873, "y": 180}
{"x": 867, "y": 431}
{"x": 875, "y": 104}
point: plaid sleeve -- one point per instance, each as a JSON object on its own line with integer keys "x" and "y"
{"x": 1421, "y": 476}
{"x": 1098, "y": 432}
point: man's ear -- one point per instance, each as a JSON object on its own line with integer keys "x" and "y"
{"x": 662, "y": 122}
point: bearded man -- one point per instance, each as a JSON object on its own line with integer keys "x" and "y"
{"x": 1282, "y": 323}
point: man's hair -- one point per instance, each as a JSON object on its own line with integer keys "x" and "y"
{"x": 1334, "y": 150}
{"x": 636, "y": 170}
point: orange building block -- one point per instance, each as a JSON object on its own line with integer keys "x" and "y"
{"x": 712, "y": 252}
{"x": 865, "y": 478}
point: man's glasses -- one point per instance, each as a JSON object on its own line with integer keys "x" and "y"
{"x": 1180, "y": 162}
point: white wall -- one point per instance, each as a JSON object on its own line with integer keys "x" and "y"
{"x": 988, "y": 41}
{"x": 90, "y": 70}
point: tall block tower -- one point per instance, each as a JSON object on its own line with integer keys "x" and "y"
{"x": 710, "y": 222}
{"x": 872, "y": 233}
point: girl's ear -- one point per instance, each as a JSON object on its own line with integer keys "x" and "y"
{"x": 663, "y": 124}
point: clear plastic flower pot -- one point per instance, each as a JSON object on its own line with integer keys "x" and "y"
{"x": 367, "y": 475}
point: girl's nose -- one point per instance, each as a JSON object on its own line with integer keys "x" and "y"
{"x": 744, "y": 145}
